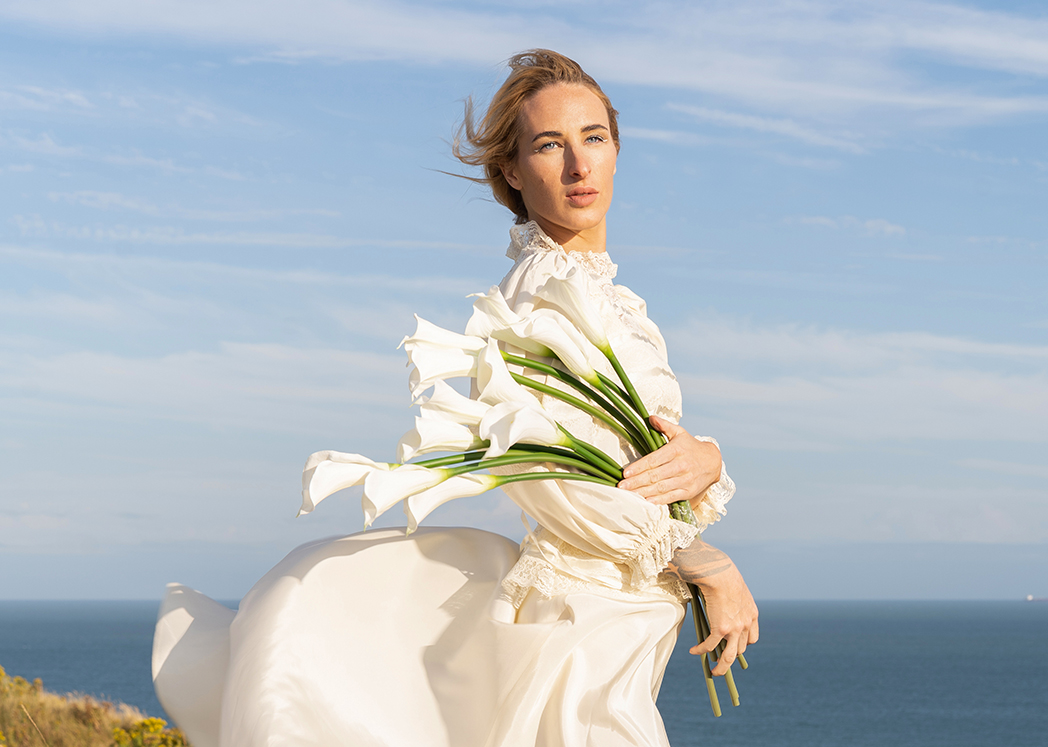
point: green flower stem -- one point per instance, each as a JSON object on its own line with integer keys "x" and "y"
{"x": 576, "y": 402}
{"x": 742, "y": 662}
{"x": 523, "y": 457}
{"x": 609, "y": 473}
{"x": 633, "y": 396}
{"x": 580, "y": 386}
{"x": 608, "y": 381}
{"x": 593, "y": 454}
{"x": 550, "y": 476}
{"x": 465, "y": 456}
{"x": 719, "y": 650}
{"x": 732, "y": 690}
{"x": 699, "y": 618}
{"x": 647, "y": 445}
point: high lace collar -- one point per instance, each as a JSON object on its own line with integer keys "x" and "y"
{"x": 531, "y": 237}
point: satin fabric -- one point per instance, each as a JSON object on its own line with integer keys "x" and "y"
{"x": 381, "y": 639}
{"x": 459, "y": 637}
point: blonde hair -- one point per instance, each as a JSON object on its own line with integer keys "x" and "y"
{"x": 492, "y": 142}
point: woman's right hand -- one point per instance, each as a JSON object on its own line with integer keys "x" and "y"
{"x": 729, "y": 605}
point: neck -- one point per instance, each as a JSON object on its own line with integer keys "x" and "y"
{"x": 588, "y": 240}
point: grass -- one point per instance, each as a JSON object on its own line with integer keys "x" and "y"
{"x": 30, "y": 716}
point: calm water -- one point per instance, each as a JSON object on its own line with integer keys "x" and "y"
{"x": 825, "y": 673}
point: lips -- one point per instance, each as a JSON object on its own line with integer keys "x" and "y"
{"x": 582, "y": 196}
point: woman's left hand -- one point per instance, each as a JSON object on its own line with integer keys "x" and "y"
{"x": 682, "y": 470}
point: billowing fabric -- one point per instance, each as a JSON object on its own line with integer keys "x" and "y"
{"x": 459, "y": 637}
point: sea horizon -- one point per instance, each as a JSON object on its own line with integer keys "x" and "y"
{"x": 825, "y": 672}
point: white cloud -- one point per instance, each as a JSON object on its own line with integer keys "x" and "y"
{"x": 45, "y": 145}
{"x": 36, "y": 227}
{"x": 870, "y": 226}
{"x": 785, "y": 127}
{"x": 791, "y": 387}
{"x": 257, "y": 386}
{"x": 117, "y": 201}
{"x": 814, "y": 61}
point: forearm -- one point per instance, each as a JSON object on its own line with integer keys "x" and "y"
{"x": 699, "y": 563}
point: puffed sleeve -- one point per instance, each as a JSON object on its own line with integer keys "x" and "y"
{"x": 604, "y": 522}
{"x": 712, "y": 504}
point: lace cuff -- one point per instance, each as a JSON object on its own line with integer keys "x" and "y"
{"x": 712, "y": 503}
{"x": 652, "y": 557}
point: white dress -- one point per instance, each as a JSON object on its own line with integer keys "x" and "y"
{"x": 459, "y": 637}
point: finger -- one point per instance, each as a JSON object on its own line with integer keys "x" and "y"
{"x": 728, "y": 657}
{"x": 706, "y": 646}
{"x": 664, "y": 499}
{"x": 657, "y": 458}
{"x": 755, "y": 632}
{"x": 664, "y": 473}
{"x": 665, "y": 427}
{"x": 660, "y": 484}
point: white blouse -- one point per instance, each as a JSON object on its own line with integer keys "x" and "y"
{"x": 592, "y": 536}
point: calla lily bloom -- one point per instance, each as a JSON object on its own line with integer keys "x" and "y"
{"x": 511, "y": 423}
{"x": 490, "y": 312}
{"x": 569, "y": 294}
{"x": 436, "y": 434}
{"x": 495, "y": 384}
{"x": 447, "y": 404}
{"x": 328, "y": 472}
{"x": 549, "y": 329}
{"x": 420, "y": 505}
{"x": 438, "y": 353}
{"x": 384, "y": 489}
{"x": 543, "y": 332}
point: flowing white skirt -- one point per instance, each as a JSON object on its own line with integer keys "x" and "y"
{"x": 381, "y": 639}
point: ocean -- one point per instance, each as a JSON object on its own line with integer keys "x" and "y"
{"x": 833, "y": 674}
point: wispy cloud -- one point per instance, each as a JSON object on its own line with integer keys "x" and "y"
{"x": 45, "y": 145}
{"x": 790, "y": 387}
{"x": 117, "y": 201}
{"x": 785, "y": 127}
{"x": 869, "y": 226}
{"x": 34, "y": 226}
{"x": 163, "y": 267}
{"x": 815, "y": 58}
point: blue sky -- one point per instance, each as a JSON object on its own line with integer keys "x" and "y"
{"x": 217, "y": 218}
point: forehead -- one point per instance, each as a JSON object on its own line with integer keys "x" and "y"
{"x": 562, "y": 107}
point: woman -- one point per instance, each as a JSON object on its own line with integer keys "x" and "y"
{"x": 454, "y": 636}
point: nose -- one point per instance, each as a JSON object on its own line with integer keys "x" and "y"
{"x": 578, "y": 164}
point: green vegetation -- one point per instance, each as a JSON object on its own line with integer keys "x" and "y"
{"x": 32, "y": 717}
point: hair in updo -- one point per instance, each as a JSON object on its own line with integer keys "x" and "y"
{"x": 491, "y": 142}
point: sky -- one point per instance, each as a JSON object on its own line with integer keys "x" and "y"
{"x": 217, "y": 219}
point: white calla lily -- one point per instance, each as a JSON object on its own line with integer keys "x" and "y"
{"x": 435, "y": 434}
{"x": 495, "y": 384}
{"x": 447, "y": 404}
{"x": 569, "y": 294}
{"x": 328, "y": 472}
{"x": 490, "y": 312}
{"x": 438, "y": 354}
{"x": 384, "y": 489}
{"x": 512, "y": 423}
{"x": 548, "y": 329}
{"x": 420, "y": 505}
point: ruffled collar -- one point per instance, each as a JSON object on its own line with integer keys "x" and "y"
{"x": 531, "y": 237}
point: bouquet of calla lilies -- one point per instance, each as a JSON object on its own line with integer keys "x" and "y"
{"x": 506, "y": 423}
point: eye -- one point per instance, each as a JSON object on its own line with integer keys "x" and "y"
{"x": 596, "y": 138}
{"x": 546, "y": 146}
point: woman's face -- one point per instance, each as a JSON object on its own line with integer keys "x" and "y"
{"x": 565, "y": 163}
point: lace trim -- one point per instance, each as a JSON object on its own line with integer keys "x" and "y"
{"x": 651, "y": 559}
{"x": 531, "y": 573}
{"x": 713, "y": 504}
{"x": 531, "y": 236}
{"x": 646, "y": 569}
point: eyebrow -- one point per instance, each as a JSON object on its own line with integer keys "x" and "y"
{"x": 554, "y": 133}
